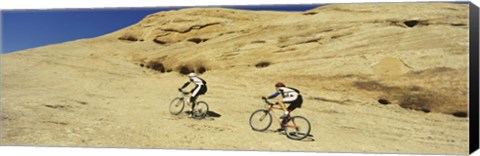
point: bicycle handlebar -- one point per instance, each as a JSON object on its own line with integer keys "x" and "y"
{"x": 181, "y": 91}
{"x": 266, "y": 101}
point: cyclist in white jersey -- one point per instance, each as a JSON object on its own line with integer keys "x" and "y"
{"x": 200, "y": 88}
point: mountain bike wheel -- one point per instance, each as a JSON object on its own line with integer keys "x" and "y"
{"x": 260, "y": 120}
{"x": 176, "y": 105}
{"x": 298, "y": 128}
{"x": 200, "y": 110}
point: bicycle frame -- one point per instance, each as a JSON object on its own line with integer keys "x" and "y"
{"x": 271, "y": 108}
{"x": 185, "y": 97}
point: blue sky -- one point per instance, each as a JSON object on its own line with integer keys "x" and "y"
{"x": 24, "y": 29}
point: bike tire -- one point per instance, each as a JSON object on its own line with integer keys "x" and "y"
{"x": 176, "y": 105}
{"x": 200, "y": 110}
{"x": 263, "y": 117}
{"x": 300, "y": 130}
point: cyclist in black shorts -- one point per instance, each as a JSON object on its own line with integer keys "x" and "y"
{"x": 200, "y": 88}
{"x": 290, "y": 96}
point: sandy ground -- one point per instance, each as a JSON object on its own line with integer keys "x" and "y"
{"x": 94, "y": 92}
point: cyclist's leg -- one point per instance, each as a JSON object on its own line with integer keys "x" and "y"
{"x": 202, "y": 90}
{"x": 295, "y": 104}
{"x": 290, "y": 108}
{"x": 282, "y": 105}
{"x": 193, "y": 100}
{"x": 194, "y": 96}
{"x": 283, "y": 122}
{"x": 288, "y": 100}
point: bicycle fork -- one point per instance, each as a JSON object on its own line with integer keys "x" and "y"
{"x": 264, "y": 116}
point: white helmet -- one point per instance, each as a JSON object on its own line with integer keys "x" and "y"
{"x": 192, "y": 75}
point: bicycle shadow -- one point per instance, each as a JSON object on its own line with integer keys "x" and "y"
{"x": 211, "y": 115}
{"x": 309, "y": 137}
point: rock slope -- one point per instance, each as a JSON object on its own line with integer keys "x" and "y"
{"x": 385, "y": 77}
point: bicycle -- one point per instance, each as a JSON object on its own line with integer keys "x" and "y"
{"x": 296, "y": 127}
{"x": 177, "y": 105}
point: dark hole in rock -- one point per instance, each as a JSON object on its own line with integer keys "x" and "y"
{"x": 201, "y": 70}
{"x": 128, "y": 38}
{"x": 411, "y": 23}
{"x": 141, "y": 65}
{"x": 197, "y": 40}
{"x": 383, "y": 101}
{"x": 262, "y": 64}
{"x": 309, "y": 13}
{"x": 426, "y": 110}
{"x": 158, "y": 66}
{"x": 311, "y": 41}
{"x": 458, "y": 24}
{"x": 159, "y": 41}
{"x": 169, "y": 70}
{"x": 147, "y": 66}
{"x": 184, "y": 70}
{"x": 460, "y": 114}
{"x": 54, "y": 122}
{"x": 55, "y": 106}
{"x": 259, "y": 41}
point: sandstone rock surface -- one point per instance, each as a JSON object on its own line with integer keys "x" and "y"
{"x": 114, "y": 90}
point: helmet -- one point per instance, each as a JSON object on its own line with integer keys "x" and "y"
{"x": 192, "y": 75}
{"x": 279, "y": 84}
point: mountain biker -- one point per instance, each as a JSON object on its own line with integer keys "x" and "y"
{"x": 200, "y": 88}
{"x": 289, "y": 95}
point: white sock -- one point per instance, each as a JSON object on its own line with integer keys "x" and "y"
{"x": 286, "y": 113}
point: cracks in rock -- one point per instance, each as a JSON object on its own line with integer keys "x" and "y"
{"x": 194, "y": 27}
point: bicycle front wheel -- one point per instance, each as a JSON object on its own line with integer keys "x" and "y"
{"x": 176, "y": 105}
{"x": 200, "y": 110}
{"x": 298, "y": 128}
{"x": 260, "y": 120}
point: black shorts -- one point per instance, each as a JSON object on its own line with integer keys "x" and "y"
{"x": 295, "y": 104}
{"x": 202, "y": 91}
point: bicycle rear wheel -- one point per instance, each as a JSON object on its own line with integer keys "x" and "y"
{"x": 298, "y": 128}
{"x": 200, "y": 110}
{"x": 176, "y": 105}
{"x": 260, "y": 120}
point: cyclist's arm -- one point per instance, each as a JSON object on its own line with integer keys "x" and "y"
{"x": 186, "y": 84}
{"x": 273, "y": 95}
